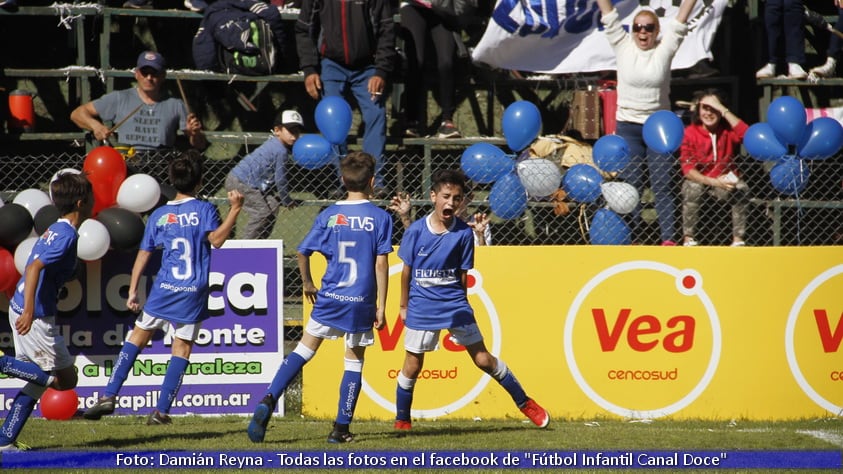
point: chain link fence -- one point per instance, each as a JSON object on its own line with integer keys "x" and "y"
{"x": 814, "y": 217}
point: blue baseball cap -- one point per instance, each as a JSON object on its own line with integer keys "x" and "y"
{"x": 153, "y": 60}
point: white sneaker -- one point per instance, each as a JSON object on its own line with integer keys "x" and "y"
{"x": 829, "y": 69}
{"x": 768, "y": 71}
{"x": 690, "y": 242}
{"x": 795, "y": 71}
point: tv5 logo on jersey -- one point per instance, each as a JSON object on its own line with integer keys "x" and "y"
{"x": 642, "y": 339}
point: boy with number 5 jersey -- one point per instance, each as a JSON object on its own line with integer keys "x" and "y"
{"x": 438, "y": 251}
{"x": 354, "y": 235}
{"x": 185, "y": 228}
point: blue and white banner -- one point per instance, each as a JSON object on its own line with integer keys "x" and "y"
{"x": 566, "y": 36}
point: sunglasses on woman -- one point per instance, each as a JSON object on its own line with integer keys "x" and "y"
{"x": 648, "y": 27}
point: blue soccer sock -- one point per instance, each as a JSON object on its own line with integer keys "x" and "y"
{"x": 507, "y": 379}
{"x": 290, "y": 367}
{"x": 404, "y": 397}
{"x": 19, "y": 413}
{"x": 352, "y": 378}
{"x": 23, "y": 370}
{"x": 172, "y": 383}
{"x": 124, "y": 363}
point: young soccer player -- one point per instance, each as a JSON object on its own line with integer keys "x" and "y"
{"x": 32, "y": 310}
{"x": 438, "y": 251}
{"x": 354, "y": 236}
{"x": 185, "y": 228}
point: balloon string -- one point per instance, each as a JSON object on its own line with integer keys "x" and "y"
{"x": 583, "y": 223}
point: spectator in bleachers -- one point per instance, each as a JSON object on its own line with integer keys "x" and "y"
{"x": 418, "y": 22}
{"x": 829, "y": 68}
{"x": 261, "y": 176}
{"x": 784, "y": 20}
{"x": 150, "y": 117}
{"x": 707, "y": 159}
{"x": 643, "y": 70}
{"x": 349, "y": 48}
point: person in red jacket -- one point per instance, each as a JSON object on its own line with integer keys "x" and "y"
{"x": 707, "y": 159}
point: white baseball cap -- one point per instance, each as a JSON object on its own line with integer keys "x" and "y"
{"x": 290, "y": 118}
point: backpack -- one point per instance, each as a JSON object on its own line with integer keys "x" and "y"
{"x": 259, "y": 59}
{"x": 460, "y": 10}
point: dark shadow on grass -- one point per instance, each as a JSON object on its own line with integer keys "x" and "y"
{"x": 151, "y": 434}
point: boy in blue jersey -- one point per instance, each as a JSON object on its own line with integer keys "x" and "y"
{"x": 185, "y": 228}
{"x": 438, "y": 251}
{"x": 354, "y": 235}
{"x": 39, "y": 346}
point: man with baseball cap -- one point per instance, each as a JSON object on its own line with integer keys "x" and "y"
{"x": 261, "y": 176}
{"x": 144, "y": 117}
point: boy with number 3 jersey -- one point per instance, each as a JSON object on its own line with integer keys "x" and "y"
{"x": 355, "y": 236}
{"x": 185, "y": 228}
{"x": 438, "y": 251}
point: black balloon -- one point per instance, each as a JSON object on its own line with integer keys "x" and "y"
{"x": 124, "y": 227}
{"x": 45, "y": 217}
{"x": 15, "y": 225}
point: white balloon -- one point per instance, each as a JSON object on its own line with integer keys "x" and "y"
{"x": 139, "y": 193}
{"x": 620, "y": 197}
{"x": 93, "y": 240}
{"x": 33, "y": 200}
{"x": 539, "y": 177}
{"x": 55, "y": 176}
{"x": 22, "y": 252}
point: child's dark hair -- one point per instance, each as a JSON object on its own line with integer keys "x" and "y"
{"x": 70, "y": 188}
{"x": 453, "y": 177}
{"x": 357, "y": 169}
{"x": 695, "y": 117}
{"x": 186, "y": 171}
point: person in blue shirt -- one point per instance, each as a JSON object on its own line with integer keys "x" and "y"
{"x": 437, "y": 251}
{"x": 185, "y": 228}
{"x": 43, "y": 357}
{"x": 261, "y": 176}
{"x": 354, "y": 235}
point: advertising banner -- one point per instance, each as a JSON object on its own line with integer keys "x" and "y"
{"x": 233, "y": 359}
{"x": 632, "y": 332}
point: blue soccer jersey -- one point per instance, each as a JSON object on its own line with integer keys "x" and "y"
{"x": 437, "y": 299}
{"x": 350, "y": 234}
{"x": 180, "y": 291}
{"x": 56, "y": 248}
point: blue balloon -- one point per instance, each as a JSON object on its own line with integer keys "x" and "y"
{"x": 485, "y": 163}
{"x": 582, "y": 183}
{"x": 608, "y": 228}
{"x": 508, "y": 198}
{"x": 788, "y": 118}
{"x": 663, "y": 131}
{"x": 522, "y": 123}
{"x": 762, "y": 144}
{"x": 611, "y": 153}
{"x": 823, "y": 138}
{"x": 790, "y": 176}
{"x": 333, "y": 118}
{"x": 312, "y": 151}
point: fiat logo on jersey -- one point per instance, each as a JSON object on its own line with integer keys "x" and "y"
{"x": 449, "y": 380}
{"x": 633, "y": 349}
{"x": 814, "y": 340}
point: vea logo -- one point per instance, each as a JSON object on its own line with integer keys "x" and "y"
{"x": 633, "y": 349}
{"x": 449, "y": 380}
{"x": 814, "y": 340}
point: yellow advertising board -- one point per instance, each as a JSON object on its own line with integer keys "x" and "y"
{"x": 638, "y": 332}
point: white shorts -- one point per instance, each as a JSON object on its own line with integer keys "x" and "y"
{"x": 360, "y": 339}
{"x": 43, "y": 344}
{"x": 418, "y": 341}
{"x": 186, "y": 332}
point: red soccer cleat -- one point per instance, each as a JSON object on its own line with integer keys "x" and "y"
{"x": 403, "y": 425}
{"x": 535, "y": 413}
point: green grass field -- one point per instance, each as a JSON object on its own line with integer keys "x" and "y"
{"x": 196, "y": 434}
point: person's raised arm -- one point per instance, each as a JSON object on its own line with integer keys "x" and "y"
{"x": 685, "y": 10}
{"x": 605, "y": 6}
{"x": 218, "y": 236}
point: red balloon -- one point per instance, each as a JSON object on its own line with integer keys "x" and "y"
{"x": 106, "y": 170}
{"x": 9, "y": 275}
{"x": 59, "y": 404}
